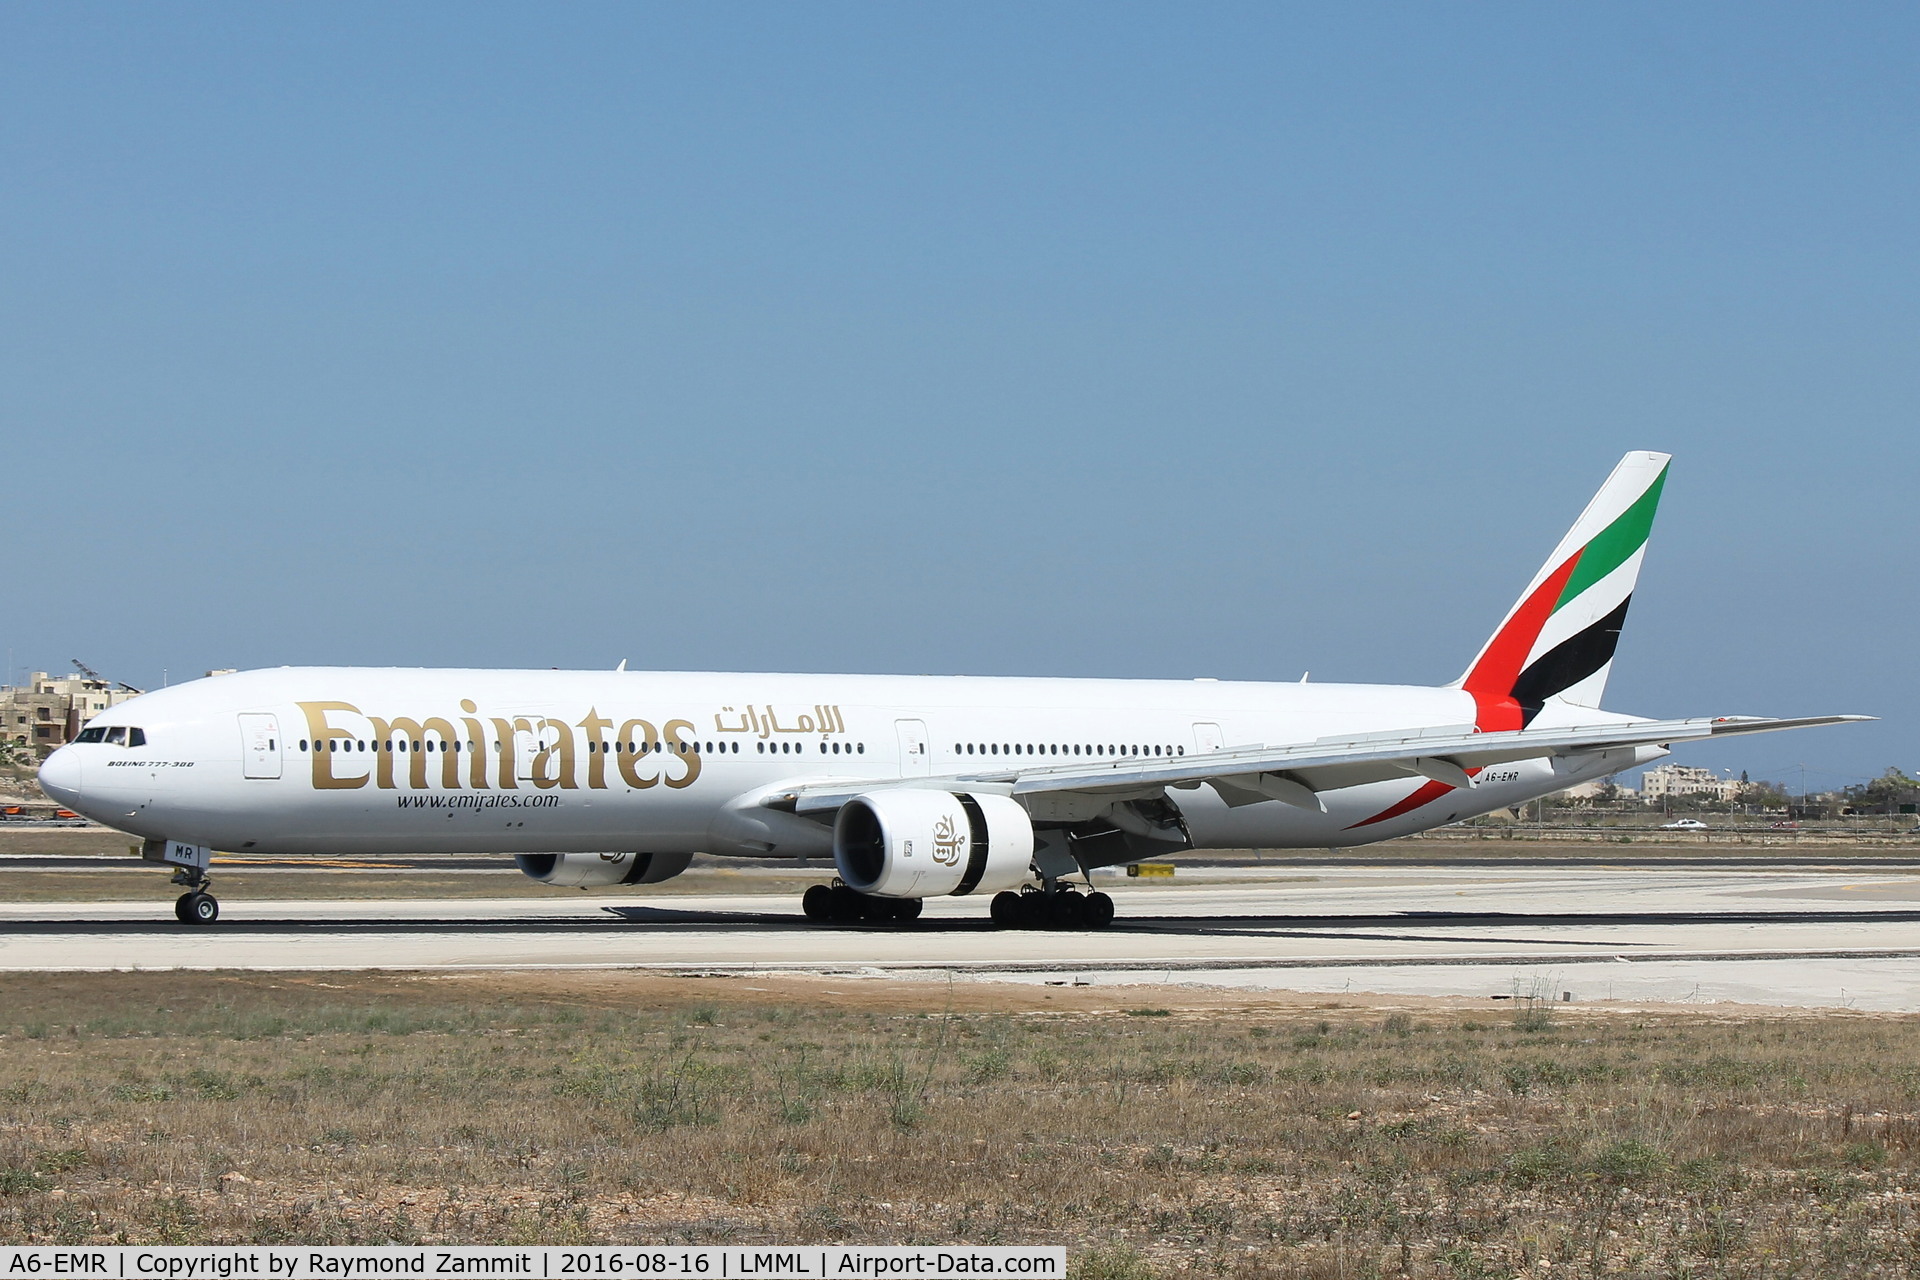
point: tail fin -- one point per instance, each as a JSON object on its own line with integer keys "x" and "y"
{"x": 1558, "y": 640}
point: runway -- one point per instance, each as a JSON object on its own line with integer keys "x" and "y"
{"x": 1804, "y": 935}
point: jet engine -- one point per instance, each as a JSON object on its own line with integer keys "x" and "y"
{"x": 922, "y": 843}
{"x": 599, "y": 870}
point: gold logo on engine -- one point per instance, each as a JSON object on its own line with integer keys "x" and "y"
{"x": 947, "y": 842}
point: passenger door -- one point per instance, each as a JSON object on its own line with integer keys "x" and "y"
{"x": 259, "y": 745}
{"x": 527, "y": 743}
{"x": 1207, "y": 737}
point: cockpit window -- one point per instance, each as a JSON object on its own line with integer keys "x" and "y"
{"x": 118, "y": 735}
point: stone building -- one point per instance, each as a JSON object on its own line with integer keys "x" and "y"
{"x": 1667, "y": 780}
{"x": 49, "y": 710}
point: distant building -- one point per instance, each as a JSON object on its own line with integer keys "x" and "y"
{"x": 1591, "y": 790}
{"x": 1668, "y": 780}
{"x": 49, "y": 710}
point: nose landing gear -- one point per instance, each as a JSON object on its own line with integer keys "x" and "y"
{"x": 196, "y": 907}
{"x": 189, "y": 861}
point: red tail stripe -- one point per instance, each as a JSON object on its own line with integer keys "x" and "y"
{"x": 1492, "y": 678}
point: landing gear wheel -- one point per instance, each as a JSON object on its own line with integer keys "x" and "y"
{"x": 1096, "y": 910}
{"x": 1034, "y": 911}
{"x": 847, "y": 904}
{"x": 1064, "y": 911}
{"x": 1005, "y": 909}
{"x": 817, "y": 902}
{"x": 197, "y": 907}
{"x": 908, "y": 909}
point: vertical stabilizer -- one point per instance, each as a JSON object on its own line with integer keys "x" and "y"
{"x": 1558, "y": 640}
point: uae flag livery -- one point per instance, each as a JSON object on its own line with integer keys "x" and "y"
{"x": 1556, "y": 644}
{"x": 1558, "y": 640}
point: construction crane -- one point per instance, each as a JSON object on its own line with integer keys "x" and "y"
{"x": 97, "y": 678}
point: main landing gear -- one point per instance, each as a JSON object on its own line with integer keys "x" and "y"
{"x": 839, "y": 904}
{"x": 1058, "y": 908}
{"x": 1032, "y": 907}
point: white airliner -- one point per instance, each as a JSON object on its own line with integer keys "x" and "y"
{"x": 916, "y": 786}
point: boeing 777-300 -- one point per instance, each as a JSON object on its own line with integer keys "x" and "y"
{"x": 1009, "y": 789}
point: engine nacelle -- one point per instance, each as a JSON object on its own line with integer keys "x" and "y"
{"x": 599, "y": 870}
{"x": 922, "y": 843}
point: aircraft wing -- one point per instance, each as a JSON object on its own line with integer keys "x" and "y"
{"x": 1294, "y": 773}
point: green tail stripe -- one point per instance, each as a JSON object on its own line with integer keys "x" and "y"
{"x": 1610, "y": 547}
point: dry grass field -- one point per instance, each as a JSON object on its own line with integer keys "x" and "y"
{"x": 1178, "y": 1131}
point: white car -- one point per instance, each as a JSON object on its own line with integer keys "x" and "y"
{"x": 1684, "y": 824}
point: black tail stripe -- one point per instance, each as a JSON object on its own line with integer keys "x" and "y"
{"x": 1569, "y": 662}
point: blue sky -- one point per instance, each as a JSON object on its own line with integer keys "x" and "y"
{"x": 1143, "y": 340}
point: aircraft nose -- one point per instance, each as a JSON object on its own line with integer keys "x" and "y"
{"x": 60, "y": 776}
